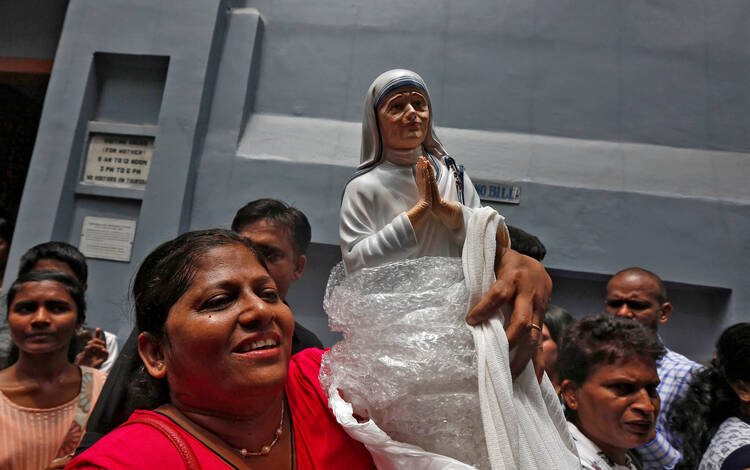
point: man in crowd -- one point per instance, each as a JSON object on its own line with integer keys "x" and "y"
{"x": 282, "y": 234}
{"x": 99, "y": 350}
{"x": 640, "y": 294}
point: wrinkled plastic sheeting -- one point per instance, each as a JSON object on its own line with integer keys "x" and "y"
{"x": 407, "y": 358}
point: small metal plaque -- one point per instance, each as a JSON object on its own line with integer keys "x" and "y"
{"x": 106, "y": 238}
{"x": 120, "y": 161}
{"x": 507, "y": 193}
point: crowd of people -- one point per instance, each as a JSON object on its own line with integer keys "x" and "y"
{"x": 217, "y": 374}
{"x": 631, "y": 402}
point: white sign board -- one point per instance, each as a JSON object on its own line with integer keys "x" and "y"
{"x": 507, "y": 193}
{"x": 120, "y": 161}
{"x": 106, "y": 238}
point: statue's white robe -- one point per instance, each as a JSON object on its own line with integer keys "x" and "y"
{"x": 374, "y": 228}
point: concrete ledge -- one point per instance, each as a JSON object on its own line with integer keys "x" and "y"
{"x": 577, "y": 163}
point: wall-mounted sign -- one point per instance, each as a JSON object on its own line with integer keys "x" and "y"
{"x": 120, "y": 161}
{"x": 498, "y": 192}
{"x": 106, "y": 238}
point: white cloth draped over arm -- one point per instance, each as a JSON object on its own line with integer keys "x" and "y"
{"x": 523, "y": 421}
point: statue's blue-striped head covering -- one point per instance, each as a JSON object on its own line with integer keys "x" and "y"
{"x": 372, "y": 145}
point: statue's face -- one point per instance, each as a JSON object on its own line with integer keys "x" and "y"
{"x": 403, "y": 116}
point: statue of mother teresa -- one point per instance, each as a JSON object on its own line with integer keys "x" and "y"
{"x": 426, "y": 379}
{"x": 408, "y": 198}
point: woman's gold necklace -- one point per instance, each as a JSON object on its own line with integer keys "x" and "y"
{"x": 265, "y": 450}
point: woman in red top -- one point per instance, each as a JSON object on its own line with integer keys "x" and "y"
{"x": 215, "y": 342}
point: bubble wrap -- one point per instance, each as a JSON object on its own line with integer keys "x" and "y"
{"x": 407, "y": 357}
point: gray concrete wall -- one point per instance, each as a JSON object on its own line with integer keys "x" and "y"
{"x": 625, "y": 122}
{"x": 670, "y": 72}
{"x": 31, "y": 28}
{"x": 53, "y": 205}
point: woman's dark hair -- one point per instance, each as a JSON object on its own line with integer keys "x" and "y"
{"x": 72, "y": 287}
{"x": 278, "y": 212}
{"x": 710, "y": 398}
{"x": 59, "y": 251}
{"x": 556, "y": 320}
{"x": 592, "y": 342}
{"x": 164, "y": 276}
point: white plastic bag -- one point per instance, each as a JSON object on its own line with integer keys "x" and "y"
{"x": 409, "y": 360}
{"x": 387, "y": 453}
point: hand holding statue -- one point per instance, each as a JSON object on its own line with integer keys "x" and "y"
{"x": 522, "y": 283}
